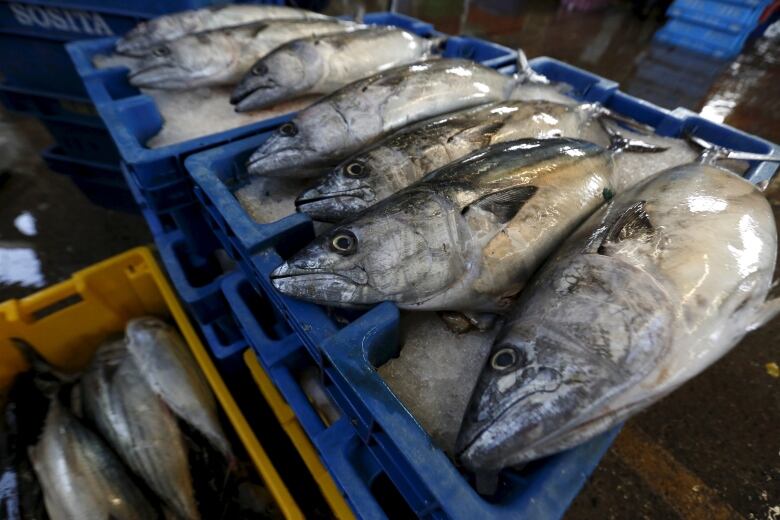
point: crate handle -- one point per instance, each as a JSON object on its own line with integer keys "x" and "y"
{"x": 58, "y": 297}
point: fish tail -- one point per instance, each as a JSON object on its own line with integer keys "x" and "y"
{"x": 710, "y": 153}
{"x": 766, "y": 312}
{"x": 619, "y": 143}
{"x": 438, "y": 43}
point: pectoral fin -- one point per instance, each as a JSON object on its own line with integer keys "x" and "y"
{"x": 504, "y": 204}
{"x": 632, "y": 224}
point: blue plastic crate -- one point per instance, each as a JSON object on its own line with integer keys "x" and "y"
{"x": 40, "y": 28}
{"x": 348, "y": 353}
{"x": 723, "y": 16}
{"x": 186, "y": 220}
{"x": 44, "y": 104}
{"x": 101, "y": 183}
{"x": 132, "y": 118}
{"x": 86, "y": 140}
{"x": 349, "y": 460}
{"x": 705, "y": 40}
{"x": 197, "y": 280}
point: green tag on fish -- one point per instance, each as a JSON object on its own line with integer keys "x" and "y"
{"x": 608, "y": 194}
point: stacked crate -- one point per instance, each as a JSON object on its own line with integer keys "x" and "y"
{"x": 39, "y": 79}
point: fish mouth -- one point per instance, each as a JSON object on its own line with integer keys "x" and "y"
{"x": 153, "y": 76}
{"x": 332, "y": 207}
{"x": 285, "y": 162}
{"x": 315, "y": 285}
{"x": 466, "y": 444}
{"x": 254, "y": 97}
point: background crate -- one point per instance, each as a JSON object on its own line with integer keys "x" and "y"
{"x": 101, "y": 183}
{"x": 348, "y": 355}
{"x": 132, "y": 118}
{"x": 67, "y": 321}
{"x": 724, "y": 16}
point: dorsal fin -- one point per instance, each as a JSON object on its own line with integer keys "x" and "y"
{"x": 504, "y": 204}
{"x": 633, "y": 223}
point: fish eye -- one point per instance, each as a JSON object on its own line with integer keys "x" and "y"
{"x": 161, "y": 51}
{"x": 288, "y": 129}
{"x": 259, "y": 69}
{"x": 344, "y": 243}
{"x": 356, "y": 170}
{"x": 504, "y": 359}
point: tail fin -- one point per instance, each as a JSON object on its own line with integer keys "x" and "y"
{"x": 630, "y": 123}
{"x": 438, "y": 43}
{"x": 48, "y": 379}
{"x": 620, "y": 143}
{"x": 710, "y": 153}
{"x": 525, "y": 74}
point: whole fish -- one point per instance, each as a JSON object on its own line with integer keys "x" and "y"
{"x": 414, "y": 151}
{"x": 223, "y": 56}
{"x": 80, "y": 476}
{"x": 169, "y": 27}
{"x": 465, "y": 237}
{"x": 139, "y": 426}
{"x": 165, "y": 362}
{"x": 361, "y": 112}
{"x": 324, "y": 64}
{"x": 652, "y": 289}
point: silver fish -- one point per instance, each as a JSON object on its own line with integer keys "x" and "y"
{"x": 140, "y": 427}
{"x": 361, "y": 112}
{"x": 465, "y": 237}
{"x": 169, "y": 27}
{"x": 223, "y": 56}
{"x": 414, "y": 151}
{"x": 324, "y": 64}
{"x": 167, "y": 365}
{"x": 81, "y": 478}
{"x": 651, "y": 290}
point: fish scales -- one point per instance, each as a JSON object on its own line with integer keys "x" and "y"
{"x": 169, "y": 369}
{"x": 409, "y": 154}
{"x": 80, "y": 476}
{"x": 173, "y": 26}
{"x": 222, "y": 56}
{"x": 361, "y": 112}
{"x": 139, "y": 426}
{"x": 323, "y": 64}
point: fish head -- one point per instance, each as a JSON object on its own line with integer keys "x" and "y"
{"x": 301, "y": 147}
{"x": 284, "y": 74}
{"x": 584, "y": 331}
{"x": 400, "y": 250}
{"x": 345, "y": 191}
{"x": 190, "y": 61}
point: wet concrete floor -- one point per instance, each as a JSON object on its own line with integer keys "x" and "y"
{"x": 711, "y": 450}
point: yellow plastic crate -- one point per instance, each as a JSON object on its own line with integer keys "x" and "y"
{"x": 67, "y": 322}
{"x": 290, "y": 423}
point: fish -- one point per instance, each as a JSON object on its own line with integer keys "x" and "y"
{"x": 409, "y": 154}
{"x": 220, "y": 57}
{"x": 80, "y": 476}
{"x": 169, "y": 27}
{"x": 464, "y": 238}
{"x": 652, "y": 289}
{"x": 356, "y": 115}
{"x": 139, "y": 426}
{"x": 323, "y": 64}
{"x": 167, "y": 365}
